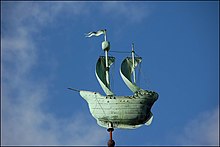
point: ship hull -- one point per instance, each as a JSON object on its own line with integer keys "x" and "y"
{"x": 121, "y": 111}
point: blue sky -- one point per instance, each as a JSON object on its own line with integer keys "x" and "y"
{"x": 44, "y": 51}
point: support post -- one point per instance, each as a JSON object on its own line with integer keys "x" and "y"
{"x": 111, "y": 142}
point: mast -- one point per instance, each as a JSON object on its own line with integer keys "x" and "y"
{"x": 128, "y": 66}
{"x": 132, "y": 54}
{"x": 103, "y": 64}
{"x": 106, "y": 47}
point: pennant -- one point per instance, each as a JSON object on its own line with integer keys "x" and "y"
{"x": 98, "y": 33}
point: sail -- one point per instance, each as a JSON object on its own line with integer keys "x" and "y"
{"x": 101, "y": 73}
{"x": 127, "y": 70}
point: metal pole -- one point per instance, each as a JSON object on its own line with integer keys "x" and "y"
{"x": 106, "y": 62}
{"x": 107, "y": 68}
{"x": 111, "y": 142}
{"x": 105, "y": 36}
{"x": 111, "y": 135}
{"x": 132, "y": 54}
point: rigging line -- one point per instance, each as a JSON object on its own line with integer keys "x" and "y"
{"x": 139, "y": 77}
{"x": 124, "y": 52}
{"x": 95, "y": 108}
{"x": 112, "y": 76}
{"x": 100, "y": 106}
{"x": 144, "y": 77}
{"x": 119, "y": 52}
{"x": 110, "y": 54}
{"x": 136, "y": 54}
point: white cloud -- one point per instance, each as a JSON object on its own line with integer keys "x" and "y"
{"x": 203, "y": 130}
{"x": 126, "y": 11}
{"x": 24, "y": 122}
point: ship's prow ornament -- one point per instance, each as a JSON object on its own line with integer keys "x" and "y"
{"x": 111, "y": 111}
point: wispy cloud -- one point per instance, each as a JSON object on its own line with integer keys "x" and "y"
{"x": 203, "y": 130}
{"x": 126, "y": 11}
{"x": 24, "y": 120}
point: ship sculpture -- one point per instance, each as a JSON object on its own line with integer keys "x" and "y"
{"x": 111, "y": 111}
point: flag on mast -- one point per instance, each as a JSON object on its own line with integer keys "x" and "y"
{"x": 98, "y": 33}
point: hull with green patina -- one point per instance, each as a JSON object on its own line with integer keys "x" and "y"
{"x": 122, "y": 111}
